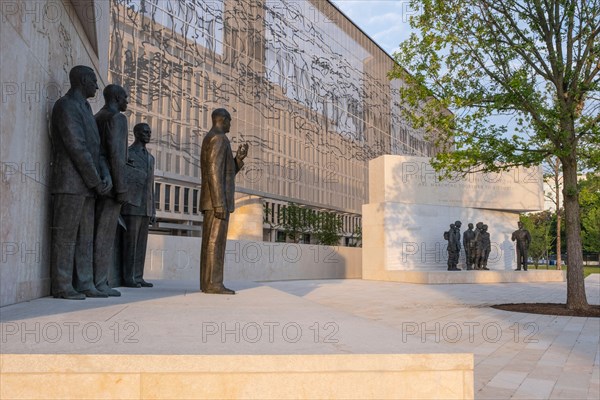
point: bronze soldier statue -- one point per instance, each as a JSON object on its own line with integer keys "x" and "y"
{"x": 478, "y": 249}
{"x": 454, "y": 246}
{"x": 139, "y": 211}
{"x": 469, "y": 244}
{"x": 485, "y": 246}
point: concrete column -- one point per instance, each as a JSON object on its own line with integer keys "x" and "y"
{"x": 246, "y": 222}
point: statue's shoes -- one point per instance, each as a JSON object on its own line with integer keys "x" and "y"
{"x": 94, "y": 293}
{"x": 69, "y": 295}
{"x": 131, "y": 284}
{"x": 221, "y": 290}
{"x": 145, "y": 284}
{"x": 485, "y": 268}
{"x": 111, "y": 292}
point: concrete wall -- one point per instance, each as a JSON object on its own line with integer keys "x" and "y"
{"x": 172, "y": 257}
{"x": 412, "y": 180}
{"x": 40, "y": 41}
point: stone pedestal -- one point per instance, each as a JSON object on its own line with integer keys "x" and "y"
{"x": 298, "y": 376}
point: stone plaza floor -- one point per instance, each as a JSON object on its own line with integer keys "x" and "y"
{"x": 520, "y": 356}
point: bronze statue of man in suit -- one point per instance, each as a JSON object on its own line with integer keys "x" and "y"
{"x": 523, "y": 239}
{"x": 79, "y": 173}
{"x": 139, "y": 211}
{"x": 219, "y": 168}
{"x": 112, "y": 125}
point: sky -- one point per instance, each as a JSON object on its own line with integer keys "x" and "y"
{"x": 385, "y": 21}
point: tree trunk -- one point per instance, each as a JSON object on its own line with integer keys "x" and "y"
{"x": 558, "y": 217}
{"x": 576, "y": 298}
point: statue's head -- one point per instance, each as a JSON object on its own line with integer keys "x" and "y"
{"x": 485, "y": 228}
{"x": 452, "y": 226}
{"x": 479, "y": 225}
{"x": 458, "y": 224}
{"x": 84, "y": 77}
{"x": 221, "y": 119}
{"x": 142, "y": 132}
{"x": 520, "y": 225}
{"x": 116, "y": 94}
{"x": 470, "y": 225}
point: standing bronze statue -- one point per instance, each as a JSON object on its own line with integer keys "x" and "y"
{"x": 454, "y": 246}
{"x": 478, "y": 249}
{"x": 219, "y": 168}
{"x": 79, "y": 173}
{"x": 523, "y": 239}
{"x": 484, "y": 246}
{"x": 112, "y": 125}
{"x": 469, "y": 244}
{"x": 139, "y": 211}
{"x": 449, "y": 247}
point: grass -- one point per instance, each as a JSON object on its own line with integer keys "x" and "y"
{"x": 587, "y": 270}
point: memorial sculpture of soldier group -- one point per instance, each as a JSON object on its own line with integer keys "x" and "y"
{"x": 98, "y": 183}
{"x": 477, "y": 246}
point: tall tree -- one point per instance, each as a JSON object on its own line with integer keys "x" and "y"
{"x": 536, "y": 62}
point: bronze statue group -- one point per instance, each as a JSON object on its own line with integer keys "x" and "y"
{"x": 99, "y": 184}
{"x": 477, "y": 246}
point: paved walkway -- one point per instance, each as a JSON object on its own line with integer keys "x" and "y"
{"x": 520, "y": 356}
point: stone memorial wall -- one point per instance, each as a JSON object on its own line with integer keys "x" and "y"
{"x": 410, "y": 208}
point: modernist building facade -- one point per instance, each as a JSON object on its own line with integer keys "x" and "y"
{"x": 307, "y": 89}
{"x": 305, "y": 86}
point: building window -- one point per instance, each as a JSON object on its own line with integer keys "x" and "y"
{"x": 168, "y": 166}
{"x": 159, "y": 160}
{"x": 167, "y": 197}
{"x": 157, "y": 196}
{"x": 176, "y": 203}
{"x": 306, "y": 238}
{"x": 280, "y": 236}
{"x": 186, "y": 200}
{"x": 195, "y": 202}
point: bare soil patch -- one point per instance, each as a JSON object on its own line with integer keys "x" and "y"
{"x": 549, "y": 309}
